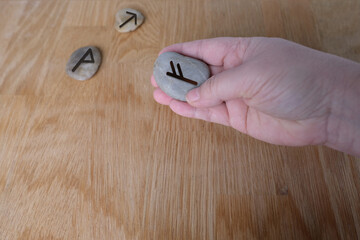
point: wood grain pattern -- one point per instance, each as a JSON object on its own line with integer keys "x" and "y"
{"x": 101, "y": 160}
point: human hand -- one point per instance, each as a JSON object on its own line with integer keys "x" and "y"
{"x": 272, "y": 89}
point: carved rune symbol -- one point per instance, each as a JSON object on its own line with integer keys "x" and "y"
{"x": 83, "y": 59}
{"x": 180, "y": 76}
{"x": 133, "y": 15}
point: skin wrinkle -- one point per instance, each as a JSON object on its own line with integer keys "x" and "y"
{"x": 327, "y": 126}
{"x": 220, "y": 119}
{"x": 335, "y": 101}
{"x": 215, "y": 118}
{"x": 319, "y": 86}
{"x": 212, "y": 84}
{"x": 223, "y": 61}
{"x": 227, "y": 115}
{"x": 232, "y": 58}
{"x": 254, "y": 95}
{"x": 251, "y": 45}
{"x": 294, "y": 135}
{"x": 232, "y": 119}
{"x": 241, "y": 51}
{"x": 317, "y": 110}
{"x": 246, "y": 119}
{"x": 215, "y": 70}
{"x": 287, "y": 130}
{"x": 320, "y": 139}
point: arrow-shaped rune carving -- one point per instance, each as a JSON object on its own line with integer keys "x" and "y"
{"x": 180, "y": 76}
{"x": 133, "y": 16}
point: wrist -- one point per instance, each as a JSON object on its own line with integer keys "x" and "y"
{"x": 343, "y": 130}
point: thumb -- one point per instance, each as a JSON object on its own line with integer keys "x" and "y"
{"x": 217, "y": 89}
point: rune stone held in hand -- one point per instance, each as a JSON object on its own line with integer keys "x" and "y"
{"x": 127, "y": 20}
{"x": 176, "y": 74}
{"x": 84, "y": 63}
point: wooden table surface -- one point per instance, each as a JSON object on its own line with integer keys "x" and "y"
{"x": 101, "y": 159}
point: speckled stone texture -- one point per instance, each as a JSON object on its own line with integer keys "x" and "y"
{"x": 192, "y": 69}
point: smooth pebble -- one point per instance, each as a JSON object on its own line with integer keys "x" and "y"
{"x": 125, "y": 20}
{"x": 84, "y": 63}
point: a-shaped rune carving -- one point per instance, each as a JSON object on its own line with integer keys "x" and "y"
{"x": 83, "y": 59}
{"x": 180, "y": 76}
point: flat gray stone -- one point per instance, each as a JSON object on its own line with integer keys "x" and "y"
{"x": 176, "y": 86}
{"x": 84, "y": 63}
{"x": 128, "y": 19}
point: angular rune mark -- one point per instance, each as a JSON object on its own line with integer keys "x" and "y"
{"x": 82, "y": 59}
{"x": 133, "y": 15}
{"x": 180, "y": 76}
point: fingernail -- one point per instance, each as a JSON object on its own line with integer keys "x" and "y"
{"x": 193, "y": 95}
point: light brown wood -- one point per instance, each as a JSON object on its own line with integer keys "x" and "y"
{"x": 101, "y": 160}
